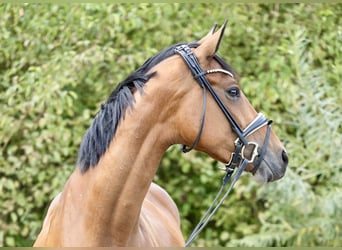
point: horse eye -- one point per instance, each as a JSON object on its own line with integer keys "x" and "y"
{"x": 233, "y": 92}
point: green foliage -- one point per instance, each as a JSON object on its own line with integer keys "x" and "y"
{"x": 58, "y": 63}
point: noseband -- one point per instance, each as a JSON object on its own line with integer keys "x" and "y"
{"x": 238, "y": 158}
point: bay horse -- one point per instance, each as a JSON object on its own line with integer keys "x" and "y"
{"x": 110, "y": 199}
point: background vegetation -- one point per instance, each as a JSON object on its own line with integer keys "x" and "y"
{"x": 58, "y": 63}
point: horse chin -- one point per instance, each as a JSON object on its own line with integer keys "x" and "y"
{"x": 261, "y": 176}
{"x": 267, "y": 173}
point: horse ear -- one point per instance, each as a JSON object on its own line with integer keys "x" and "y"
{"x": 211, "y": 43}
{"x": 223, "y": 28}
{"x": 210, "y": 33}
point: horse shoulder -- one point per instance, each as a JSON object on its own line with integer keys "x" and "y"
{"x": 44, "y": 234}
{"x": 161, "y": 198}
{"x": 159, "y": 222}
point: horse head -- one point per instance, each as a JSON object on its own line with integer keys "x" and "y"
{"x": 213, "y": 114}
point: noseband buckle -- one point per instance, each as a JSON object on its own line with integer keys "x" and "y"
{"x": 254, "y": 154}
{"x": 240, "y": 154}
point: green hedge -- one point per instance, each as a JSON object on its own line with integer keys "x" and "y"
{"x": 58, "y": 63}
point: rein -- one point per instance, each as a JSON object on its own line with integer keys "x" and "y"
{"x": 238, "y": 158}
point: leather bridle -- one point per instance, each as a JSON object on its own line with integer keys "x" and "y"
{"x": 238, "y": 157}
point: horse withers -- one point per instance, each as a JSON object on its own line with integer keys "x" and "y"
{"x": 186, "y": 95}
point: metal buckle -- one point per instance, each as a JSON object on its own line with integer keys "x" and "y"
{"x": 228, "y": 165}
{"x": 255, "y": 152}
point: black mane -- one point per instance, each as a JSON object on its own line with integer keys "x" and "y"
{"x": 102, "y": 130}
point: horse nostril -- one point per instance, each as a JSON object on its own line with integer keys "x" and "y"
{"x": 285, "y": 157}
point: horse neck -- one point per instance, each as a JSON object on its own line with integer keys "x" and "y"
{"x": 120, "y": 181}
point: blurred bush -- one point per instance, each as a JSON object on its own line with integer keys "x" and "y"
{"x": 58, "y": 63}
